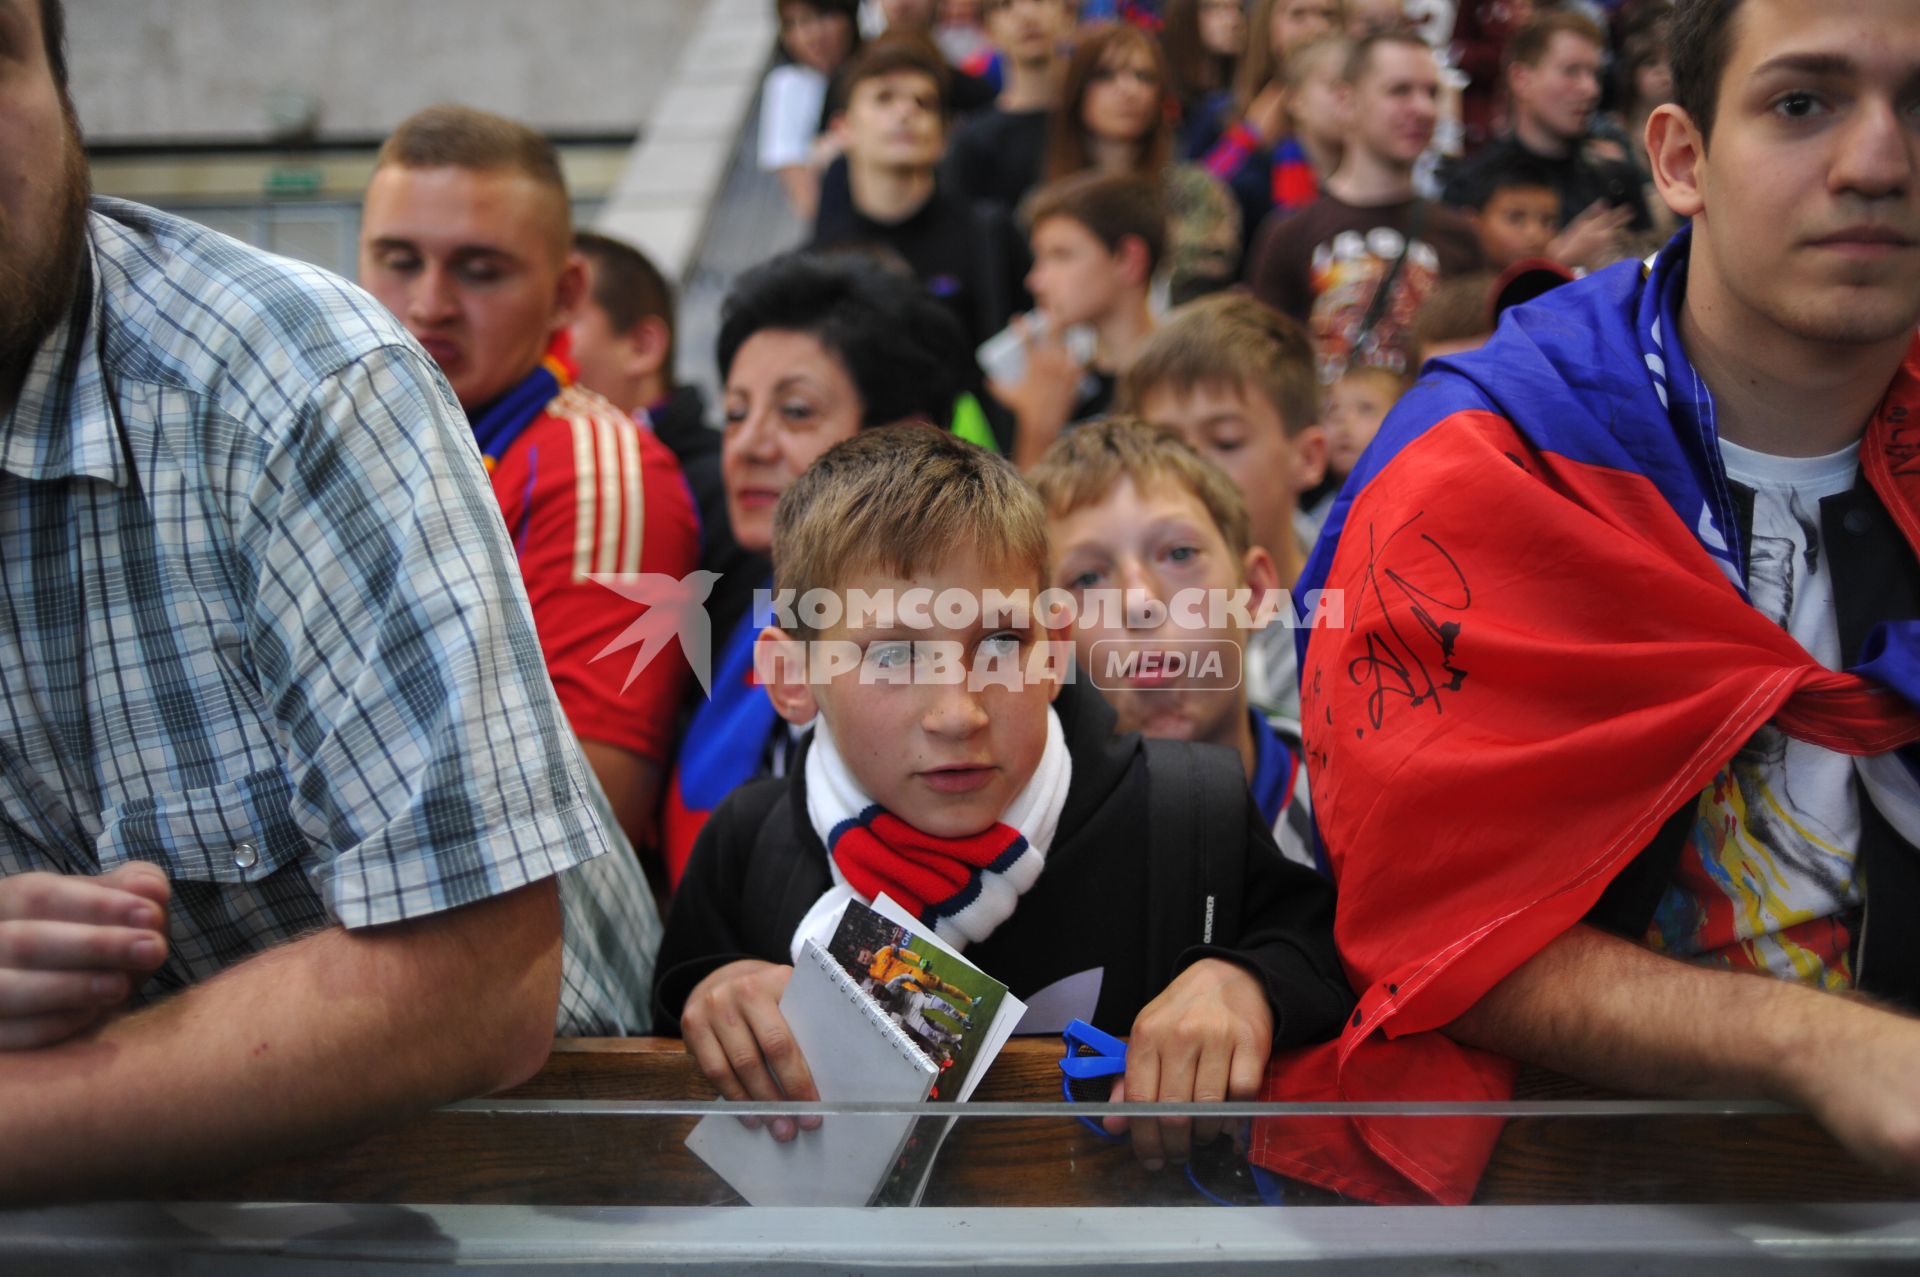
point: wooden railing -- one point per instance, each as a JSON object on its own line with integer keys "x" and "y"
{"x": 548, "y": 1159}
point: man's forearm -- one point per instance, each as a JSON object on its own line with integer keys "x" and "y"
{"x": 316, "y": 1041}
{"x": 1610, "y": 1012}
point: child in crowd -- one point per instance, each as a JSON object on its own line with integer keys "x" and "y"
{"x": 1356, "y": 405}
{"x": 816, "y": 38}
{"x": 1456, "y": 317}
{"x": 1096, "y": 242}
{"x": 1518, "y": 215}
{"x": 1133, "y": 510}
{"x": 1276, "y": 29}
{"x": 1205, "y": 40}
{"x": 812, "y": 350}
{"x": 997, "y": 156}
{"x": 893, "y": 126}
{"x": 951, "y": 792}
{"x": 1236, "y": 378}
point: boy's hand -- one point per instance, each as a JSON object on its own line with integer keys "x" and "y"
{"x": 1042, "y": 402}
{"x": 73, "y": 948}
{"x": 1267, "y": 114}
{"x": 733, "y": 1027}
{"x": 1593, "y": 239}
{"x": 1205, "y": 1039}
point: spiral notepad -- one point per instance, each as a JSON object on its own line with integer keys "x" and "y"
{"x": 856, "y": 1053}
{"x": 883, "y": 1023}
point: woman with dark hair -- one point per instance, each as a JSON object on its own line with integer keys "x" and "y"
{"x": 852, "y": 324}
{"x": 1204, "y": 40}
{"x": 813, "y": 348}
{"x": 1116, "y": 116}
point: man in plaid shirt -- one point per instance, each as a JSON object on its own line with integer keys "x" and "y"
{"x": 294, "y": 838}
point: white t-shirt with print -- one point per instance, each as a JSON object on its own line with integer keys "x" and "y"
{"x": 1769, "y": 877}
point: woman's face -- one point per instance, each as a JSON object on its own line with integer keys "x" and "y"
{"x": 788, "y": 399}
{"x": 815, "y": 38}
{"x": 1223, "y": 27}
{"x": 1122, "y": 102}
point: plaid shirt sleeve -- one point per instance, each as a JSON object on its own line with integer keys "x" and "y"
{"x": 429, "y": 761}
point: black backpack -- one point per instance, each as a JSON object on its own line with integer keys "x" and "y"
{"x": 1197, "y": 819}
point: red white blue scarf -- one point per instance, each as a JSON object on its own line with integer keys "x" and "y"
{"x": 961, "y": 887}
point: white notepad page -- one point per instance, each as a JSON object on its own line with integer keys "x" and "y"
{"x": 855, "y": 1053}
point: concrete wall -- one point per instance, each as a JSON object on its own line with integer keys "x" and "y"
{"x": 146, "y": 70}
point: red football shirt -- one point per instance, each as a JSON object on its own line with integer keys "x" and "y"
{"x": 585, "y": 490}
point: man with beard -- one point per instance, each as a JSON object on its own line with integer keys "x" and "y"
{"x": 1615, "y": 757}
{"x": 268, "y": 875}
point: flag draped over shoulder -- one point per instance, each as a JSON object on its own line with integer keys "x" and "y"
{"x": 1548, "y": 651}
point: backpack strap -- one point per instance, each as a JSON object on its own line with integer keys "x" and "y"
{"x": 1196, "y": 860}
{"x": 784, "y": 877}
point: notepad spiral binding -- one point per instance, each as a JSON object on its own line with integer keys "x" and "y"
{"x": 869, "y": 1007}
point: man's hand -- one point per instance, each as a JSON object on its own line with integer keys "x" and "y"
{"x": 73, "y": 948}
{"x": 733, "y": 1027}
{"x": 1205, "y": 1039}
{"x": 1594, "y": 238}
{"x": 1859, "y": 1082}
{"x": 1608, "y": 1011}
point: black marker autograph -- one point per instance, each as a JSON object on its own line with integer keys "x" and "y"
{"x": 1397, "y": 666}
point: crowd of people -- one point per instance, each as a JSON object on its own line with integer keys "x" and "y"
{"x": 393, "y": 679}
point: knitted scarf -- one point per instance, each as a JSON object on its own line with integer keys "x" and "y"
{"x": 961, "y": 887}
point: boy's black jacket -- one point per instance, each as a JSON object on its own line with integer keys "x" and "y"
{"x": 759, "y": 866}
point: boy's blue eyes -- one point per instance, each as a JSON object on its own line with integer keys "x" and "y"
{"x": 1086, "y": 580}
{"x": 897, "y": 654}
{"x": 890, "y": 656}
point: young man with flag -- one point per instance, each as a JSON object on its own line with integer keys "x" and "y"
{"x": 1612, "y": 759}
{"x": 467, "y": 238}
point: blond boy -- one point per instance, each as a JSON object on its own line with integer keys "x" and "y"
{"x": 997, "y": 805}
{"x": 1236, "y": 379}
{"x": 1136, "y": 514}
